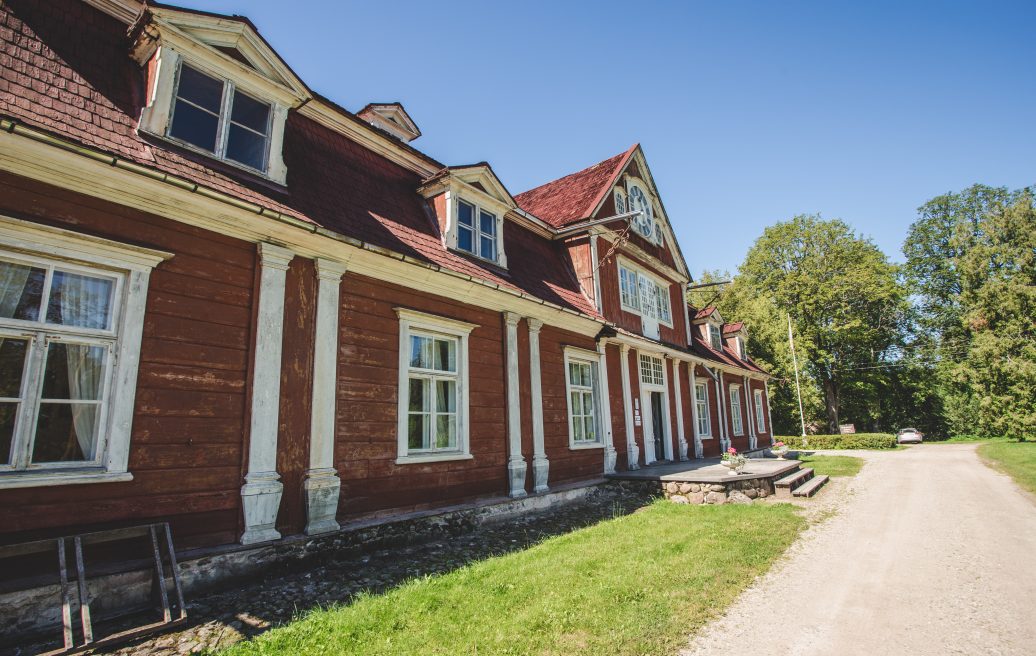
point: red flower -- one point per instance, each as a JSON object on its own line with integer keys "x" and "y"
{"x": 732, "y": 451}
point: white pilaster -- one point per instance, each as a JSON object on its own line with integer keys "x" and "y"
{"x": 322, "y": 484}
{"x": 516, "y": 465}
{"x": 627, "y": 405}
{"x": 595, "y": 267}
{"x": 540, "y": 463}
{"x": 681, "y": 437}
{"x": 750, "y": 402}
{"x": 698, "y": 450}
{"x": 721, "y": 403}
{"x": 261, "y": 493}
{"x": 769, "y": 414}
{"x": 606, "y": 409}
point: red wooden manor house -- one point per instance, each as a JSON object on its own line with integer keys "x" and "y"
{"x": 228, "y": 303}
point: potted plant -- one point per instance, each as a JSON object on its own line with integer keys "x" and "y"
{"x": 734, "y": 460}
{"x": 779, "y": 449}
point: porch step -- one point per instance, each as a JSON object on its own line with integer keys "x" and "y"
{"x": 810, "y": 488}
{"x": 785, "y": 485}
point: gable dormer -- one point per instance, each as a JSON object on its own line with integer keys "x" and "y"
{"x": 736, "y": 338}
{"x": 391, "y": 118}
{"x": 216, "y": 88}
{"x": 470, "y": 204}
{"x": 709, "y": 324}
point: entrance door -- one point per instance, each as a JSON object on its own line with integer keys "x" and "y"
{"x": 657, "y": 424}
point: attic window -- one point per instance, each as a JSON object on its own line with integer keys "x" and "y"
{"x": 741, "y": 352}
{"x": 715, "y": 337}
{"x": 477, "y": 236}
{"x": 213, "y": 115}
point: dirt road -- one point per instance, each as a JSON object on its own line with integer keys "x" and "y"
{"x": 931, "y": 552}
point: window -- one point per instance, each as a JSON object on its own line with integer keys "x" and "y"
{"x": 582, "y": 381}
{"x": 760, "y": 421}
{"x": 433, "y": 396}
{"x": 735, "y": 410}
{"x": 715, "y": 337}
{"x": 215, "y": 116}
{"x": 476, "y": 235}
{"x": 701, "y": 409}
{"x": 640, "y": 293}
{"x": 65, "y": 411}
{"x": 620, "y": 203}
{"x": 741, "y": 352}
{"x": 652, "y": 371}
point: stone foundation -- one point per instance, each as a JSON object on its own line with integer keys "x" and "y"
{"x": 743, "y": 491}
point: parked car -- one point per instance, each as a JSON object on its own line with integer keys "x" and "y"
{"x": 909, "y": 436}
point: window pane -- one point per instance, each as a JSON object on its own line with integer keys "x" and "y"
{"x": 73, "y": 371}
{"x": 417, "y": 432}
{"x": 194, "y": 126}
{"x": 420, "y": 400}
{"x": 590, "y": 433}
{"x": 250, "y": 113}
{"x": 466, "y": 214}
{"x": 577, "y": 403}
{"x": 81, "y": 301}
{"x": 445, "y": 396}
{"x": 446, "y": 432}
{"x": 200, "y": 89}
{"x": 12, "y": 365}
{"x": 445, "y": 355}
{"x": 21, "y": 291}
{"x": 420, "y": 352}
{"x": 487, "y": 248}
{"x": 487, "y": 223}
{"x": 465, "y": 239}
{"x": 577, "y": 429}
{"x": 65, "y": 432}
{"x": 246, "y": 147}
{"x": 8, "y": 414}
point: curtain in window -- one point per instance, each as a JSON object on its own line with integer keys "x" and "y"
{"x": 84, "y": 302}
{"x": 13, "y": 278}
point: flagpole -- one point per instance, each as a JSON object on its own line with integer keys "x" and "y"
{"x": 798, "y": 389}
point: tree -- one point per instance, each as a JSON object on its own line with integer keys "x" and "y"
{"x": 844, "y": 296}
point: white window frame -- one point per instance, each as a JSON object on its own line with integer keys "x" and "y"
{"x": 656, "y": 287}
{"x": 593, "y": 359}
{"x": 760, "y": 421}
{"x": 130, "y": 267}
{"x": 715, "y": 337}
{"x": 156, "y": 117}
{"x": 736, "y": 420}
{"x": 657, "y": 366}
{"x": 701, "y": 409}
{"x": 477, "y": 232}
{"x": 461, "y": 192}
{"x": 423, "y": 323}
{"x": 741, "y": 348}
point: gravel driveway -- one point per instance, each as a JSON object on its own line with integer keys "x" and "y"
{"x": 930, "y": 552}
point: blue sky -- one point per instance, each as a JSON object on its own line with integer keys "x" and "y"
{"x": 749, "y": 113}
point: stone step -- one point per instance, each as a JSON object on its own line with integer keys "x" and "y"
{"x": 795, "y": 478}
{"x": 810, "y": 488}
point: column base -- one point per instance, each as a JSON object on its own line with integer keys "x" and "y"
{"x": 699, "y": 450}
{"x": 610, "y": 457}
{"x": 540, "y": 473}
{"x": 683, "y": 450}
{"x": 634, "y": 457}
{"x": 260, "y": 500}
{"x": 516, "y": 475}
{"x": 322, "y": 488}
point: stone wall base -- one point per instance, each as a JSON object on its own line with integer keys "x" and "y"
{"x": 707, "y": 493}
{"x": 36, "y": 611}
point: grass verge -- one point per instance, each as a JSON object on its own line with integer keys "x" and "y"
{"x": 832, "y": 465}
{"x": 637, "y": 584}
{"x": 1018, "y": 459}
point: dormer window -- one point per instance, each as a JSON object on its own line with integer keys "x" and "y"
{"x": 715, "y": 337}
{"x": 212, "y": 114}
{"x": 476, "y": 231}
{"x": 741, "y": 348}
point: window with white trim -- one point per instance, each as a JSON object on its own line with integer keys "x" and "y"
{"x": 64, "y": 326}
{"x": 477, "y": 231}
{"x": 741, "y": 352}
{"x": 213, "y": 115}
{"x": 652, "y": 370}
{"x": 735, "y": 410}
{"x": 620, "y": 203}
{"x": 433, "y": 388}
{"x": 701, "y": 409}
{"x": 760, "y": 421}
{"x": 583, "y": 399}
{"x": 715, "y": 337}
{"x": 644, "y": 295}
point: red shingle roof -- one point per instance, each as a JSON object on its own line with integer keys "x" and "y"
{"x": 701, "y": 314}
{"x": 573, "y": 197}
{"x": 731, "y": 328}
{"x": 727, "y": 356}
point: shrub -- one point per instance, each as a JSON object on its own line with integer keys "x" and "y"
{"x": 854, "y": 441}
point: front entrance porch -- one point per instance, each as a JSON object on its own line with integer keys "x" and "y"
{"x": 709, "y": 481}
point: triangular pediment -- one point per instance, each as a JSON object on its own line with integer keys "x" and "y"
{"x": 392, "y": 118}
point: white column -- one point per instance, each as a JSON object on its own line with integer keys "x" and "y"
{"x": 627, "y": 405}
{"x": 261, "y": 493}
{"x": 769, "y": 413}
{"x": 322, "y": 484}
{"x": 540, "y": 463}
{"x": 698, "y": 451}
{"x": 721, "y": 405}
{"x": 750, "y": 413}
{"x": 677, "y": 389}
{"x": 516, "y": 465}
{"x": 606, "y": 409}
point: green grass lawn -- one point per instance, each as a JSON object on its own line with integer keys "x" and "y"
{"x": 1015, "y": 458}
{"x": 832, "y": 465}
{"x": 636, "y": 584}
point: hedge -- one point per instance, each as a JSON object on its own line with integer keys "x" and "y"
{"x": 852, "y": 441}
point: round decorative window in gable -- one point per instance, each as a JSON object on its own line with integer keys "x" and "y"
{"x": 645, "y": 221}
